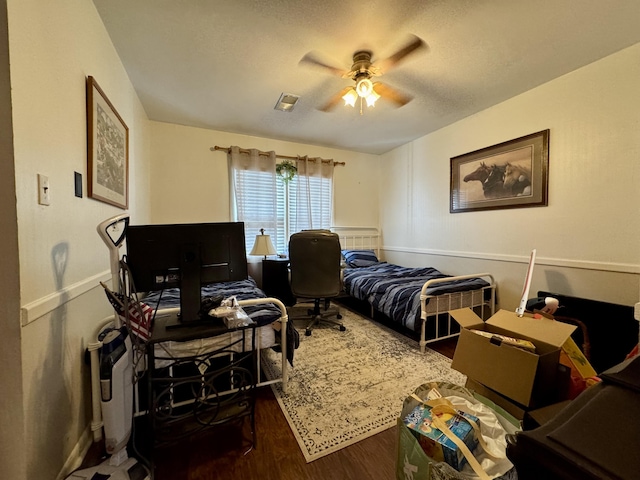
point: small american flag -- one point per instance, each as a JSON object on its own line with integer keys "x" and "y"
{"x": 140, "y": 314}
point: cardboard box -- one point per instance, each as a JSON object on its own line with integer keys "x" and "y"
{"x": 537, "y": 418}
{"x": 514, "y": 409}
{"x": 435, "y": 443}
{"x": 520, "y": 412}
{"x": 528, "y": 379}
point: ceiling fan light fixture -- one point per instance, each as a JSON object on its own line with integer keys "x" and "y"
{"x": 361, "y": 73}
{"x": 372, "y": 98}
{"x": 364, "y": 87}
{"x": 350, "y": 97}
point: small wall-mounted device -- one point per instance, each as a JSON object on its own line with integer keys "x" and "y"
{"x": 77, "y": 182}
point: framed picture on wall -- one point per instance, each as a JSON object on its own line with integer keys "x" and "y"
{"x": 107, "y": 149}
{"x": 511, "y": 174}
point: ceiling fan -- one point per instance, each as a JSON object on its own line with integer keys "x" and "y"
{"x": 361, "y": 73}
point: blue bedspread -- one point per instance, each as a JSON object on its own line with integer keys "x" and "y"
{"x": 243, "y": 290}
{"x": 395, "y": 291}
{"x": 262, "y": 314}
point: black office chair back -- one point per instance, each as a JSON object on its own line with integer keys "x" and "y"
{"x": 314, "y": 257}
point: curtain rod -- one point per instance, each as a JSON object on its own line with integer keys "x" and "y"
{"x": 289, "y": 157}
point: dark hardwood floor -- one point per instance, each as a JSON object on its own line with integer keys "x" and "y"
{"x": 222, "y": 452}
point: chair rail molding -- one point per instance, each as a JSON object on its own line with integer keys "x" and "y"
{"x": 497, "y": 257}
{"x": 42, "y": 306}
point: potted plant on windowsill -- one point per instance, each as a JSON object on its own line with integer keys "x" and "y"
{"x": 286, "y": 170}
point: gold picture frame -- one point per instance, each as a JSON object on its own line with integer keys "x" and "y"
{"x": 512, "y": 174}
{"x": 107, "y": 149}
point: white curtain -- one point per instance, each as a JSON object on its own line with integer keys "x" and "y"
{"x": 312, "y": 196}
{"x": 253, "y": 192}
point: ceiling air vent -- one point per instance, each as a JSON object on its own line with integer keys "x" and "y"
{"x": 286, "y": 102}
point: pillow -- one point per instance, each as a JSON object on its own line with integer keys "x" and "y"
{"x": 359, "y": 258}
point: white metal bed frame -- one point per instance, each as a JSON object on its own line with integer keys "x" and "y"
{"x": 431, "y": 306}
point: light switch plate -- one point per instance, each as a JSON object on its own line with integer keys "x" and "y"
{"x": 43, "y": 190}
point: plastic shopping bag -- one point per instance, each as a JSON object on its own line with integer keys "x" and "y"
{"x": 232, "y": 313}
{"x": 414, "y": 464}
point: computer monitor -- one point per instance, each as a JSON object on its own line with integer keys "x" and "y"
{"x": 187, "y": 256}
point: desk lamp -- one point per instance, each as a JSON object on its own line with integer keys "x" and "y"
{"x": 263, "y": 245}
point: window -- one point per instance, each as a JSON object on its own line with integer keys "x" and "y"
{"x": 296, "y": 214}
{"x": 264, "y": 201}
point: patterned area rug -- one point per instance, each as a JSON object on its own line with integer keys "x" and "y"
{"x": 347, "y": 386}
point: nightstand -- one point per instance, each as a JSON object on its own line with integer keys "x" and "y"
{"x": 275, "y": 280}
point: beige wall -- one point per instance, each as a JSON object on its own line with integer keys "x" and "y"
{"x": 53, "y": 47}
{"x": 12, "y": 455}
{"x": 190, "y": 183}
{"x": 587, "y": 239}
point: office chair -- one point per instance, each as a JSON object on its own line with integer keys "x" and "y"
{"x": 314, "y": 259}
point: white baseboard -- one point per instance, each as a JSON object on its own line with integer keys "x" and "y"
{"x": 75, "y": 458}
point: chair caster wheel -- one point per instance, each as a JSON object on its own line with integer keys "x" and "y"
{"x": 307, "y": 333}
{"x": 342, "y": 328}
{"x": 339, "y": 317}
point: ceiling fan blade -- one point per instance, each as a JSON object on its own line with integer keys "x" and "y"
{"x": 415, "y": 44}
{"x": 392, "y": 94}
{"x": 333, "y": 101}
{"x": 312, "y": 59}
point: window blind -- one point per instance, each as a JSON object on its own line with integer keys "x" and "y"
{"x": 253, "y": 189}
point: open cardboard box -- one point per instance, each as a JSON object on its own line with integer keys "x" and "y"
{"x": 512, "y": 408}
{"x": 527, "y": 378}
{"x": 520, "y": 412}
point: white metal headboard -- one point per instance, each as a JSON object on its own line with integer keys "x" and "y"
{"x": 359, "y": 238}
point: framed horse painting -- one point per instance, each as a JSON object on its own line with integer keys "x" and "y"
{"x": 511, "y": 174}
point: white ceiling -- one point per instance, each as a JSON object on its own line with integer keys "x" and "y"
{"x": 222, "y": 64}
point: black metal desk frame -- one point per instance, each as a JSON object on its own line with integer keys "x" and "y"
{"x": 189, "y": 394}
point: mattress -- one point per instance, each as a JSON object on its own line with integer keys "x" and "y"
{"x": 165, "y": 352}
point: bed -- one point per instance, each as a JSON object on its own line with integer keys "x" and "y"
{"x": 208, "y": 380}
{"x": 270, "y": 315}
{"x": 208, "y": 377}
{"x": 415, "y": 298}
{"x": 266, "y": 312}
